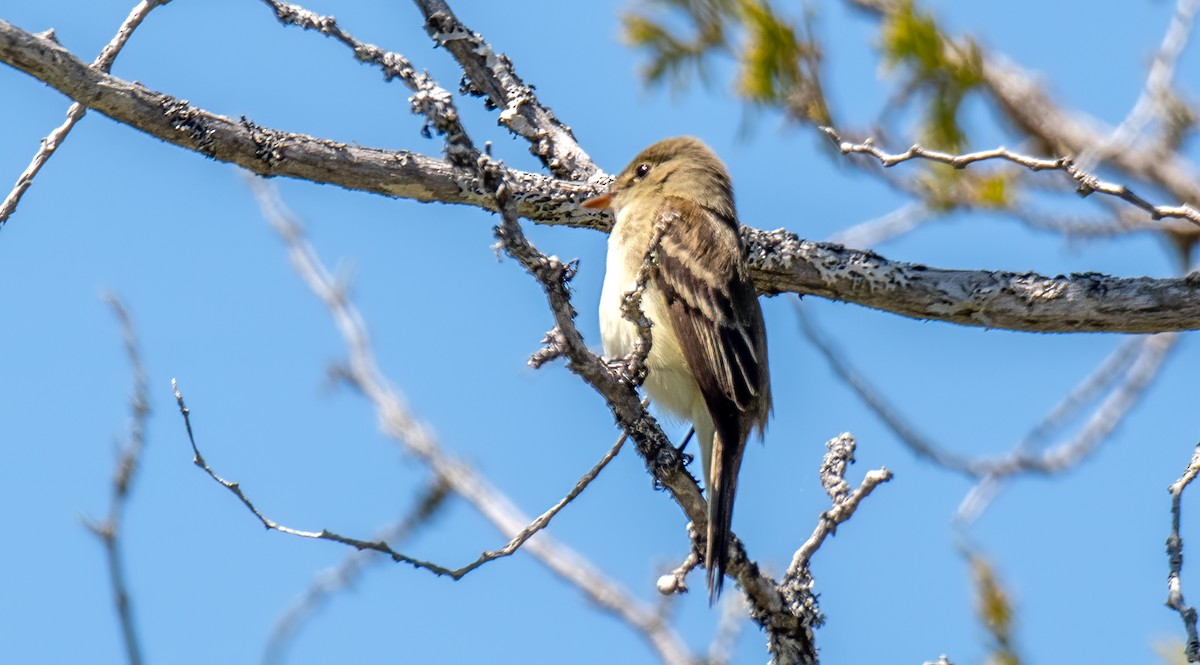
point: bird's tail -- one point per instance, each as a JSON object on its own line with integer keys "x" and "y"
{"x": 726, "y": 459}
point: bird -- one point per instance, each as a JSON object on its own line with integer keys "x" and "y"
{"x": 708, "y": 353}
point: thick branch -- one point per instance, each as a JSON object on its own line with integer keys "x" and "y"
{"x": 75, "y": 113}
{"x": 1080, "y": 302}
{"x": 781, "y": 262}
{"x": 271, "y": 152}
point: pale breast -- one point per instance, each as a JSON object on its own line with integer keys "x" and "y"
{"x": 669, "y": 381}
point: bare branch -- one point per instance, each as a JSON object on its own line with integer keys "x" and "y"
{"x": 324, "y": 534}
{"x": 75, "y": 113}
{"x": 1108, "y": 414}
{"x": 491, "y": 75}
{"x": 788, "y": 627}
{"x": 379, "y": 545}
{"x": 1157, "y": 88}
{"x": 1086, "y": 183}
{"x": 544, "y": 519}
{"x": 780, "y": 261}
{"x": 429, "y": 99}
{"x": 839, "y": 456}
{"x": 342, "y": 576}
{"x": 885, "y": 227}
{"x": 633, "y": 366}
{"x": 1129, "y": 371}
{"x": 271, "y": 152}
{"x": 1080, "y": 302}
{"x": 402, "y": 426}
{"x": 127, "y": 464}
{"x": 1024, "y": 102}
{"x": 1175, "y": 557}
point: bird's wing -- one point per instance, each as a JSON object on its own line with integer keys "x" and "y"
{"x": 715, "y": 315}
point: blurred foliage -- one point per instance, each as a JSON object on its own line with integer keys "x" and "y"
{"x": 673, "y": 57}
{"x": 778, "y": 67}
{"x": 778, "y": 59}
{"x": 995, "y": 612}
{"x": 945, "y": 188}
{"x": 940, "y": 70}
{"x": 1172, "y": 652}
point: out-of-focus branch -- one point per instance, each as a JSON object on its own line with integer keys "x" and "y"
{"x": 492, "y": 75}
{"x": 1025, "y": 103}
{"x": 894, "y": 224}
{"x": 1155, "y": 97}
{"x": 75, "y": 113}
{"x": 1140, "y": 370}
{"x": 400, "y": 425}
{"x": 1175, "y": 558}
{"x": 342, "y": 576}
{"x": 729, "y": 627}
{"x": 789, "y": 635}
{"x": 1085, "y": 182}
{"x": 109, "y": 530}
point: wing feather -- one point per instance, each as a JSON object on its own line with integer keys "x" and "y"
{"x": 715, "y": 315}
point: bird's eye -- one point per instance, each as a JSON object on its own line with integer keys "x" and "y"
{"x": 642, "y": 170}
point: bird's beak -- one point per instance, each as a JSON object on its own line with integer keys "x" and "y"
{"x": 600, "y": 202}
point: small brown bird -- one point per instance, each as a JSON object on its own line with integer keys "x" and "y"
{"x": 708, "y": 353}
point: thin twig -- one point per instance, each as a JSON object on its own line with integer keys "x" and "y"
{"x": 337, "y": 578}
{"x": 1175, "y": 558}
{"x": 379, "y": 545}
{"x": 77, "y": 110}
{"x": 492, "y": 75}
{"x": 633, "y": 366}
{"x": 428, "y": 99}
{"x": 400, "y": 425}
{"x": 839, "y": 456}
{"x": 324, "y": 534}
{"x": 1085, "y": 182}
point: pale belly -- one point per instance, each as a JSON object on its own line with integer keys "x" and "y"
{"x": 669, "y": 382}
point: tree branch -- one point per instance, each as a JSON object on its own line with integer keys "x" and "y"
{"x": 492, "y": 75}
{"x": 1175, "y": 557}
{"x": 75, "y": 113}
{"x": 343, "y": 575}
{"x": 788, "y": 625}
{"x": 400, "y": 425}
{"x": 109, "y": 530}
{"x": 1085, "y": 182}
{"x": 781, "y": 262}
{"x": 1026, "y": 104}
{"x": 428, "y": 99}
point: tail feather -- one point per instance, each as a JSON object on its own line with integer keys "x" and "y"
{"x": 726, "y": 461}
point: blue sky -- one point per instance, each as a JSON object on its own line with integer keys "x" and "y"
{"x": 217, "y": 306}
